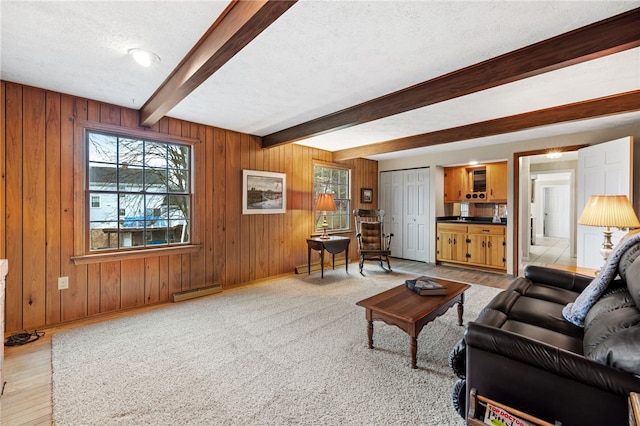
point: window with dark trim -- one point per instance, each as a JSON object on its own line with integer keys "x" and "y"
{"x": 143, "y": 188}
{"x": 336, "y": 180}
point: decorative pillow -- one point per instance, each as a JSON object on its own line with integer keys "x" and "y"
{"x": 633, "y": 280}
{"x": 576, "y": 311}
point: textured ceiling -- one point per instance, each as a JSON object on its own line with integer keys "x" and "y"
{"x": 317, "y": 58}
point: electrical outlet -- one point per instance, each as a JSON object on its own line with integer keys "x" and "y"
{"x": 63, "y": 283}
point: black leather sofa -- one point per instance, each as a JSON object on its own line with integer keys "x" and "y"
{"x": 521, "y": 351}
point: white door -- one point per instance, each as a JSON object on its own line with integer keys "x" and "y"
{"x": 396, "y": 213}
{"x": 385, "y": 202}
{"x": 416, "y": 232}
{"x": 603, "y": 169}
{"x": 556, "y": 211}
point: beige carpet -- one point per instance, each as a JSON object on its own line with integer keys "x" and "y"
{"x": 291, "y": 351}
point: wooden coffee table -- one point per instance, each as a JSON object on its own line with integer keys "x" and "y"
{"x": 402, "y": 307}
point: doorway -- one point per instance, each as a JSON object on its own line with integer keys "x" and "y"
{"x": 546, "y": 218}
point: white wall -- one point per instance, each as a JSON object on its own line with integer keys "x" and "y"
{"x": 452, "y": 156}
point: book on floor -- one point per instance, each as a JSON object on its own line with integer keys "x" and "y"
{"x": 425, "y": 286}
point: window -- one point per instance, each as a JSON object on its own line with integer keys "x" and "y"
{"x": 95, "y": 201}
{"x": 149, "y": 180}
{"x": 334, "y": 179}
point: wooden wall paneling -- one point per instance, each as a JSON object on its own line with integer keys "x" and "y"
{"x": 53, "y": 208}
{"x": 34, "y": 208}
{"x": 93, "y": 111}
{"x": 93, "y": 289}
{"x": 14, "y": 208}
{"x": 219, "y": 188}
{"x": 252, "y": 146}
{"x": 197, "y": 259}
{"x": 129, "y": 118}
{"x": 175, "y": 274}
{"x": 287, "y": 167}
{"x": 233, "y": 209}
{"x": 246, "y": 221}
{"x": 260, "y": 236}
{"x": 132, "y": 283}
{"x": 151, "y": 280}
{"x": 208, "y": 234}
{"x": 75, "y": 299}
{"x": 3, "y": 171}
{"x": 110, "y": 286}
{"x": 110, "y": 114}
{"x": 163, "y": 278}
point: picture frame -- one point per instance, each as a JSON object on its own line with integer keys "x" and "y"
{"x": 264, "y": 192}
{"x": 366, "y": 195}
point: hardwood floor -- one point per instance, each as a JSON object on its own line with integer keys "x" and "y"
{"x": 27, "y": 398}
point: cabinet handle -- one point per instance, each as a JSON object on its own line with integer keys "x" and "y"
{"x": 449, "y": 240}
{"x": 454, "y": 241}
{"x": 483, "y": 244}
{"x": 489, "y": 244}
{"x": 485, "y": 230}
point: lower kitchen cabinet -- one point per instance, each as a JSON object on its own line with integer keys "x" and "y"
{"x": 482, "y": 246}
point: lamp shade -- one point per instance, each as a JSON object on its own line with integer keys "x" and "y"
{"x": 609, "y": 210}
{"x": 325, "y": 202}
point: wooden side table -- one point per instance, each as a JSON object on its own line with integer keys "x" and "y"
{"x": 333, "y": 245}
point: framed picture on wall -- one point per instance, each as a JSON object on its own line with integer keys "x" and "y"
{"x": 366, "y": 195}
{"x": 263, "y": 192}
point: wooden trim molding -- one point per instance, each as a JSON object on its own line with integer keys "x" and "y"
{"x": 599, "y": 39}
{"x": 80, "y": 206}
{"x": 240, "y": 23}
{"x": 135, "y": 254}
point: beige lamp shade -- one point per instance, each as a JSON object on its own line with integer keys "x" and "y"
{"x": 613, "y": 211}
{"x": 325, "y": 202}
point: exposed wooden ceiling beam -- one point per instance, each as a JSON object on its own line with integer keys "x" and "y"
{"x": 602, "y": 38}
{"x": 240, "y": 23}
{"x": 616, "y": 104}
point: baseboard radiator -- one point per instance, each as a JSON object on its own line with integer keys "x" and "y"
{"x": 179, "y": 296}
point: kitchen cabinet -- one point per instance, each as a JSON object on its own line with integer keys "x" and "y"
{"x": 451, "y": 242}
{"x": 482, "y": 246}
{"x": 455, "y": 184}
{"x": 497, "y": 182}
{"x": 486, "y": 245}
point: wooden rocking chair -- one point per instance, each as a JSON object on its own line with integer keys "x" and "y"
{"x": 373, "y": 243}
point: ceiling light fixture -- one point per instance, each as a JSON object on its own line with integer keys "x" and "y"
{"x": 554, "y": 155}
{"x": 473, "y": 163}
{"x": 144, "y": 57}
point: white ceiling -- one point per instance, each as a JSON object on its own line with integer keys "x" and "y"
{"x": 318, "y": 58}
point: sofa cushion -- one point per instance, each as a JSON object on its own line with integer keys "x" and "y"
{"x": 627, "y": 259}
{"x": 612, "y": 332}
{"x": 632, "y": 278}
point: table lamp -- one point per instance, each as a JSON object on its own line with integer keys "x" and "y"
{"x": 609, "y": 211}
{"x": 325, "y": 203}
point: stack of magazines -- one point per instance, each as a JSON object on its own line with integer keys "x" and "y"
{"x": 425, "y": 286}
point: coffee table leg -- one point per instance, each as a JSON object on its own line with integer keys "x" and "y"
{"x": 460, "y": 308}
{"x": 414, "y": 352}
{"x": 370, "y": 333}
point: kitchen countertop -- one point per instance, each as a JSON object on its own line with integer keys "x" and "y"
{"x": 470, "y": 220}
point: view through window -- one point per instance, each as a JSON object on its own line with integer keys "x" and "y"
{"x": 143, "y": 189}
{"x": 334, "y": 180}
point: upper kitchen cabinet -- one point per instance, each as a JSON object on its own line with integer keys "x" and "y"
{"x": 497, "y": 182}
{"x": 455, "y": 188}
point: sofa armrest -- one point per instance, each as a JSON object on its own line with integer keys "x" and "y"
{"x": 557, "y": 278}
{"x": 548, "y": 357}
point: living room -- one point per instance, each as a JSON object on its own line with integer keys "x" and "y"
{"x": 45, "y": 208}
